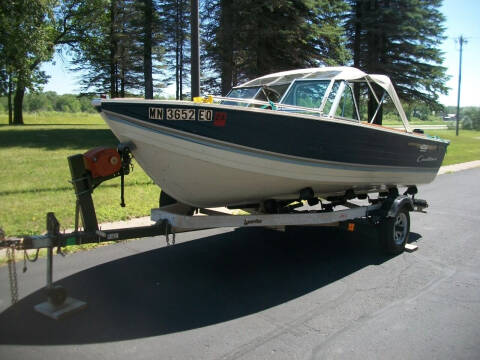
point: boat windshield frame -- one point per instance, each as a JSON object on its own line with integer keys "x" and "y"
{"x": 349, "y": 75}
{"x": 343, "y": 84}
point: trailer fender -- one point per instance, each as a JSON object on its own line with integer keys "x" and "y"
{"x": 399, "y": 203}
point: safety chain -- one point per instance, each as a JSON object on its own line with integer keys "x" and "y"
{"x": 12, "y": 274}
{"x": 26, "y": 257}
{"x": 167, "y": 233}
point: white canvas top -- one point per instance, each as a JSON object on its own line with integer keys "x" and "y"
{"x": 333, "y": 73}
{"x": 326, "y": 73}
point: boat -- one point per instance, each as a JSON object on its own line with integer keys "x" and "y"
{"x": 275, "y": 139}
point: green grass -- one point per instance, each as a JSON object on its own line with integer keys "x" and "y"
{"x": 34, "y": 176}
{"x": 414, "y": 121}
{"x": 462, "y": 148}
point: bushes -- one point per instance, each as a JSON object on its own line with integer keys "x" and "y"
{"x": 471, "y": 119}
{"x": 50, "y": 101}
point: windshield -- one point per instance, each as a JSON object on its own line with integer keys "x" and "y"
{"x": 306, "y": 93}
{"x": 241, "y": 93}
{"x": 244, "y": 93}
{"x": 261, "y": 93}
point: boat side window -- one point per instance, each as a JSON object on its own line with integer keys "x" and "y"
{"x": 346, "y": 107}
{"x": 390, "y": 113}
{"x": 331, "y": 97}
{"x": 272, "y": 92}
{"x": 306, "y": 93}
{"x": 242, "y": 93}
{"x": 268, "y": 93}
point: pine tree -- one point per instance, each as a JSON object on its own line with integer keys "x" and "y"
{"x": 250, "y": 38}
{"x": 176, "y": 27}
{"x": 400, "y": 38}
{"x": 120, "y": 50}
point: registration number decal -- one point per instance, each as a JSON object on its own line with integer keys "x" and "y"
{"x": 155, "y": 113}
{"x": 180, "y": 114}
{"x": 204, "y": 115}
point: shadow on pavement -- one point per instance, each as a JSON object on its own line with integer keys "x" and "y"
{"x": 191, "y": 285}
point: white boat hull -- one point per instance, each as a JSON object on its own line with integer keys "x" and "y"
{"x": 204, "y": 174}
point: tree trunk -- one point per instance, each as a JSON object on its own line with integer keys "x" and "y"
{"x": 147, "y": 50}
{"x": 10, "y": 91}
{"x": 177, "y": 51}
{"x": 18, "y": 104}
{"x": 357, "y": 39}
{"x": 226, "y": 46}
{"x": 122, "y": 82}
{"x": 180, "y": 70}
{"x": 374, "y": 38}
{"x": 113, "y": 51}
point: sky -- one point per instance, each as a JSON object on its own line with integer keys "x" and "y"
{"x": 462, "y": 18}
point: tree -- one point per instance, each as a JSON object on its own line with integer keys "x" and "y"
{"x": 148, "y": 34}
{"x": 251, "y": 38}
{"x": 176, "y": 27}
{"x": 120, "y": 48}
{"x": 471, "y": 118}
{"x": 31, "y": 29}
{"x": 399, "y": 38}
{"x": 147, "y": 48}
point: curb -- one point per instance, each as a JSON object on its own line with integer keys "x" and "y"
{"x": 458, "y": 167}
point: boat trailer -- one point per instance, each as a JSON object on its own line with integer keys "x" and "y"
{"x": 389, "y": 213}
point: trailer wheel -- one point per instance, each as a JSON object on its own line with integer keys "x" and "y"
{"x": 394, "y": 232}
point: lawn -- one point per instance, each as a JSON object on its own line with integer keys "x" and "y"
{"x": 35, "y": 175}
{"x": 462, "y": 148}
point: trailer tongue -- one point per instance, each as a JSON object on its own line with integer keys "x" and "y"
{"x": 389, "y": 213}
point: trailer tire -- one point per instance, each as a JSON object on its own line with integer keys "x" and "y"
{"x": 394, "y": 232}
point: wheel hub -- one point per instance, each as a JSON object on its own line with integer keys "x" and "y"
{"x": 400, "y": 228}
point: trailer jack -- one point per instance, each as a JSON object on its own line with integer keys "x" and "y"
{"x": 58, "y": 304}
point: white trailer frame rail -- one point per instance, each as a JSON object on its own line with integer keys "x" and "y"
{"x": 215, "y": 219}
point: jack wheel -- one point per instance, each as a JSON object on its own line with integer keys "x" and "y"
{"x": 57, "y": 295}
{"x": 394, "y": 232}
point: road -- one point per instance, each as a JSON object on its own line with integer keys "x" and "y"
{"x": 261, "y": 294}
